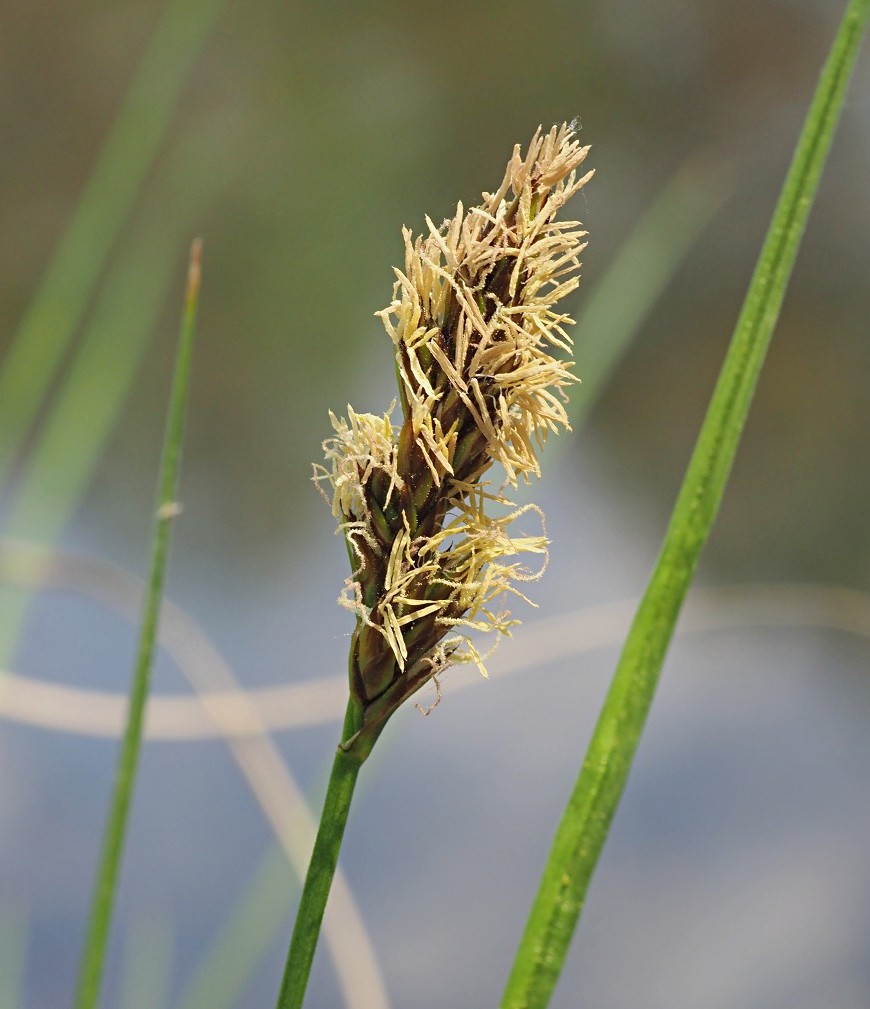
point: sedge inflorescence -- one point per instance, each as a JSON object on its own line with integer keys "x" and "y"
{"x": 482, "y": 359}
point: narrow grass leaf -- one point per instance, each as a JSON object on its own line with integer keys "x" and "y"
{"x": 84, "y": 413}
{"x": 93, "y": 955}
{"x": 583, "y": 829}
{"x": 42, "y": 339}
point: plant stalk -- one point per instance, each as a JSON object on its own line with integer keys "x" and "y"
{"x": 94, "y": 951}
{"x": 321, "y": 868}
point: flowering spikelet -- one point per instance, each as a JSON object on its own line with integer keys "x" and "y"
{"x": 476, "y": 331}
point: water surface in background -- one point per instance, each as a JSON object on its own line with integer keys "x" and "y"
{"x": 735, "y": 874}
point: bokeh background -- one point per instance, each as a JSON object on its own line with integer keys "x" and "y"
{"x": 302, "y": 138}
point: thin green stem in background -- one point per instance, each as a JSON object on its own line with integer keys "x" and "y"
{"x": 93, "y": 955}
{"x": 42, "y": 339}
{"x": 584, "y": 826}
{"x": 321, "y": 869}
{"x": 88, "y": 400}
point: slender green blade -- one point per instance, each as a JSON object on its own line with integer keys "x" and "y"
{"x": 93, "y": 955}
{"x": 583, "y": 829}
{"x": 88, "y": 401}
{"x": 66, "y": 289}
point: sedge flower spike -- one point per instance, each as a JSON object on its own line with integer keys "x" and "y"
{"x": 482, "y": 361}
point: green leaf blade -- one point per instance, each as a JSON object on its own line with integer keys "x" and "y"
{"x": 103, "y": 897}
{"x": 583, "y": 829}
{"x": 70, "y": 279}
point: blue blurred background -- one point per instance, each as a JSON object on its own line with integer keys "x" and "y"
{"x": 303, "y": 137}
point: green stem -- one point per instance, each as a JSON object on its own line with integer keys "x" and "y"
{"x": 93, "y": 953}
{"x": 583, "y": 829}
{"x": 321, "y": 868}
